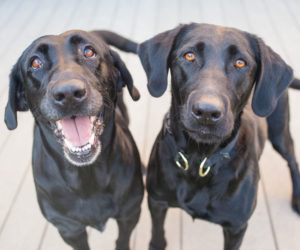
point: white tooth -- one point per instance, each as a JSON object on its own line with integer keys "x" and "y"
{"x": 58, "y": 124}
{"x": 91, "y": 140}
{"x": 73, "y": 149}
{"x": 92, "y": 118}
{"x": 89, "y": 146}
{"x": 69, "y": 144}
{"x": 77, "y": 150}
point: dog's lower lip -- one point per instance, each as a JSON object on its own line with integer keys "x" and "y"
{"x": 201, "y": 131}
{"x": 203, "y": 134}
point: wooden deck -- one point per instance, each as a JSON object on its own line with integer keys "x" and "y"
{"x": 273, "y": 225}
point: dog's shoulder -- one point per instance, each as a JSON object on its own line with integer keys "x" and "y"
{"x": 254, "y": 128}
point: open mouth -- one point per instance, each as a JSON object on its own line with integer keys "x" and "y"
{"x": 79, "y": 138}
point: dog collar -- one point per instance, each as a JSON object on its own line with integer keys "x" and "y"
{"x": 207, "y": 162}
{"x": 203, "y": 170}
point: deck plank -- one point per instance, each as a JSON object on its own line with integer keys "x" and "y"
{"x": 8, "y": 12}
{"x": 24, "y": 17}
{"x": 12, "y": 168}
{"x": 25, "y": 223}
{"x": 165, "y": 17}
{"x": 138, "y": 111}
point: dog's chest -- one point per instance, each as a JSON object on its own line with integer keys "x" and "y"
{"x": 87, "y": 202}
{"x": 196, "y": 199}
{"x": 94, "y": 211}
{"x": 219, "y": 200}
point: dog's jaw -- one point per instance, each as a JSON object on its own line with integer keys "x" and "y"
{"x": 85, "y": 148}
{"x": 90, "y": 161}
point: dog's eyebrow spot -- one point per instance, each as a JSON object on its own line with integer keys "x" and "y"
{"x": 43, "y": 48}
{"x": 200, "y": 46}
{"x": 76, "y": 39}
{"x": 233, "y": 50}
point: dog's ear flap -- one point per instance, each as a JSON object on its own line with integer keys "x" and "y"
{"x": 272, "y": 79}
{"x": 124, "y": 77}
{"x": 16, "y": 97}
{"x": 154, "y": 54}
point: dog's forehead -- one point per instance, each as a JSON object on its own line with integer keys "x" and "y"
{"x": 69, "y": 38}
{"x": 216, "y": 36}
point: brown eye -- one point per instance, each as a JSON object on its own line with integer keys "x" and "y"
{"x": 36, "y": 63}
{"x": 189, "y": 56}
{"x": 240, "y": 63}
{"x": 89, "y": 52}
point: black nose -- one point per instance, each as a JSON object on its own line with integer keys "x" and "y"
{"x": 69, "y": 93}
{"x": 207, "y": 112}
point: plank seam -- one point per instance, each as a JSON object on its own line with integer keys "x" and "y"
{"x": 269, "y": 213}
{"x": 15, "y": 198}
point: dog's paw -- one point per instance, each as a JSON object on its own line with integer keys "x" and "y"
{"x": 156, "y": 247}
{"x": 122, "y": 248}
{"x": 296, "y": 203}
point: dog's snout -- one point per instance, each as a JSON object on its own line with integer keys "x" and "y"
{"x": 71, "y": 92}
{"x": 208, "y": 109}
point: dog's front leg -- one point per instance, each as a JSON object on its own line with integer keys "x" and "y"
{"x": 233, "y": 238}
{"x": 280, "y": 136}
{"x": 158, "y": 215}
{"x": 126, "y": 227}
{"x": 78, "y": 241}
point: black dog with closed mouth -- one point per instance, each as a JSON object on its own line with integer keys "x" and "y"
{"x": 86, "y": 165}
{"x": 205, "y": 158}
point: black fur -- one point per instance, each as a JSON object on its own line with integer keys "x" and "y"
{"x": 211, "y": 116}
{"x": 73, "y": 197}
{"x": 295, "y": 84}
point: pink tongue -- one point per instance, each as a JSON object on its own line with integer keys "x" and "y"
{"x": 77, "y": 131}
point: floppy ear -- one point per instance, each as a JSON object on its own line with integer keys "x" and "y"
{"x": 154, "y": 54}
{"x": 16, "y": 97}
{"x": 273, "y": 78}
{"x": 124, "y": 77}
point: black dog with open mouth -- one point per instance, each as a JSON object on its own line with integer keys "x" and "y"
{"x": 86, "y": 165}
{"x": 205, "y": 158}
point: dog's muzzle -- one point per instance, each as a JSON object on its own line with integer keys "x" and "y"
{"x": 79, "y": 136}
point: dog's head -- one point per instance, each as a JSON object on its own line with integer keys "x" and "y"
{"x": 213, "y": 70}
{"x": 70, "y": 84}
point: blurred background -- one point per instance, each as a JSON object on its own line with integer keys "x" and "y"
{"x": 273, "y": 225}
